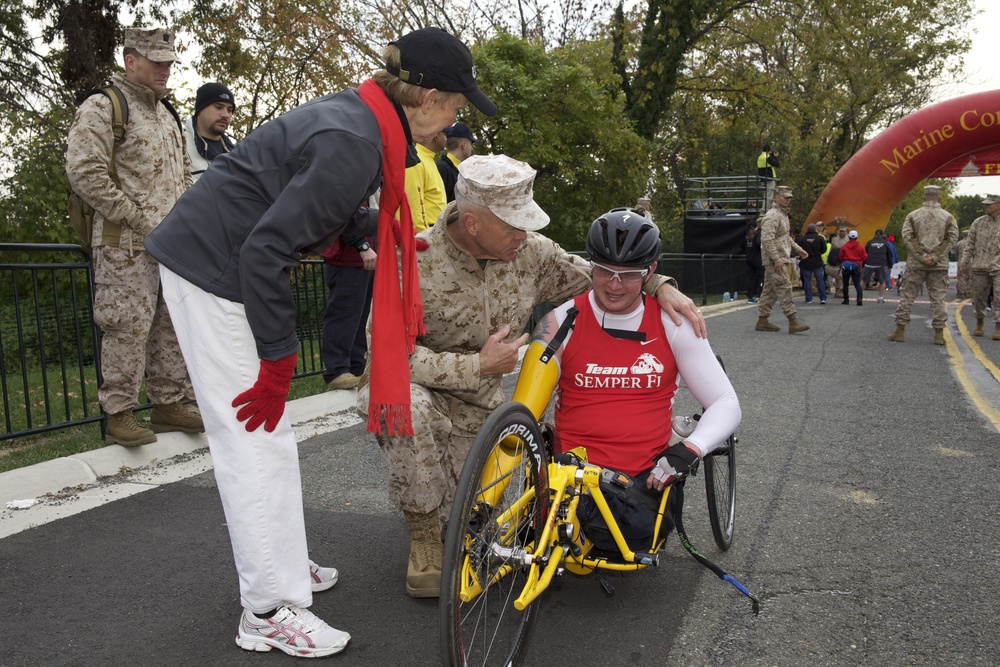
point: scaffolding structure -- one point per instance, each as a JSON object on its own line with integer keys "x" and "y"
{"x": 715, "y": 196}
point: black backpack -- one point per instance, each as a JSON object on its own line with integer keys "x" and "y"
{"x": 833, "y": 259}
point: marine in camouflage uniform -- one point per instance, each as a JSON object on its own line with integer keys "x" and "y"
{"x": 981, "y": 259}
{"x": 153, "y": 170}
{"x": 467, "y": 300}
{"x": 776, "y": 248}
{"x": 928, "y": 232}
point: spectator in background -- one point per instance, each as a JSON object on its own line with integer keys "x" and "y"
{"x": 893, "y": 259}
{"x": 643, "y": 204}
{"x": 755, "y": 265}
{"x": 833, "y": 259}
{"x": 981, "y": 262}
{"x": 152, "y": 171}
{"x": 768, "y": 163}
{"x": 852, "y": 258}
{"x": 877, "y": 263}
{"x": 459, "y": 142}
{"x": 349, "y": 273}
{"x": 767, "y": 168}
{"x": 812, "y": 266}
{"x": 424, "y": 186}
{"x": 214, "y": 106}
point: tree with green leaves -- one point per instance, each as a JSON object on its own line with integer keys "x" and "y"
{"x": 559, "y": 114}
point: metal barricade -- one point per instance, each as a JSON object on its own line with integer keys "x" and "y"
{"x": 49, "y": 358}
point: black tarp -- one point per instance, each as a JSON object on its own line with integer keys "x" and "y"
{"x": 708, "y": 233}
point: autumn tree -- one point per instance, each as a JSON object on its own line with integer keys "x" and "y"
{"x": 559, "y": 114}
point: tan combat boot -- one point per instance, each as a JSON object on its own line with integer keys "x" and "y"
{"x": 343, "y": 381}
{"x": 897, "y": 335}
{"x": 175, "y": 417}
{"x": 423, "y": 571}
{"x": 764, "y": 325}
{"x": 979, "y": 328}
{"x": 939, "y": 337}
{"x": 124, "y": 430}
{"x": 795, "y": 325}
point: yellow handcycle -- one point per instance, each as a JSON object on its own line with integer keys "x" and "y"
{"x": 515, "y": 525}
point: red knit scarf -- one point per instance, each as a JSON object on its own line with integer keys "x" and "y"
{"x": 397, "y": 318}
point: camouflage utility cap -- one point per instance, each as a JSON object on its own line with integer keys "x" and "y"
{"x": 932, "y": 190}
{"x": 156, "y": 44}
{"x": 783, "y": 190}
{"x": 991, "y": 199}
{"x": 504, "y": 186}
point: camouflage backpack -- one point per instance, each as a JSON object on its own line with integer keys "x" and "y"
{"x": 81, "y": 214}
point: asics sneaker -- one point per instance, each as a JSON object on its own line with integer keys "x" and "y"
{"x": 291, "y": 629}
{"x": 322, "y": 577}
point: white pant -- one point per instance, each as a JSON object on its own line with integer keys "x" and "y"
{"x": 257, "y": 472}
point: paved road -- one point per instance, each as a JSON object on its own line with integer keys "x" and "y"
{"x": 867, "y": 522}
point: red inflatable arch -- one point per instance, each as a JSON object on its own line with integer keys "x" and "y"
{"x": 958, "y": 137}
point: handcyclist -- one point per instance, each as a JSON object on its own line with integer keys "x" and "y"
{"x": 619, "y": 364}
{"x": 484, "y": 270}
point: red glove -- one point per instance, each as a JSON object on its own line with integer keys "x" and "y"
{"x": 397, "y": 234}
{"x": 264, "y": 403}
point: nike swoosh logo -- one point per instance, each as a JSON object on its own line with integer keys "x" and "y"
{"x": 647, "y": 342}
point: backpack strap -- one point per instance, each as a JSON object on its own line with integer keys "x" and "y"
{"x": 119, "y": 126}
{"x": 173, "y": 112}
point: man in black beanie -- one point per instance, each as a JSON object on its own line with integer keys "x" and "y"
{"x": 214, "y": 106}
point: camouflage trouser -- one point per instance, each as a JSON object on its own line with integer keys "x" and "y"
{"x": 137, "y": 333}
{"x": 424, "y": 469}
{"x": 980, "y": 284}
{"x": 963, "y": 289}
{"x": 777, "y": 286}
{"x": 937, "y": 285}
{"x": 832, "y": 280}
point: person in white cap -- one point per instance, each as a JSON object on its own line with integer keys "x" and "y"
{"x": 981, "y": 259}
{"x": 486, "y": 267}
{"x": 852, "y": 258}
{"x": 928, "y": 233}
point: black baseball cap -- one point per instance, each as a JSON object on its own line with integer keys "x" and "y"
{"x": 460, "y": 130}
{"x": 432, "y": 58}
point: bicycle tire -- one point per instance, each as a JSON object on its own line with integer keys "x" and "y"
{"x": 488, "y": 630}
{"x": 720, "y": 485}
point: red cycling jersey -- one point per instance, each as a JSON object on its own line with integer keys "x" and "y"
{"x": 614, "y": 395}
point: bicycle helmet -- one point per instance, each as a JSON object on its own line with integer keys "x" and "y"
{"x": 624, "y": 237}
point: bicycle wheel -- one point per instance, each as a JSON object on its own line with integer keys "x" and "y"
{"x": 484, "y": 539}
{"x": 720, "y": 483}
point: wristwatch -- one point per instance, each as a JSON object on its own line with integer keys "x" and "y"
{"x": 361, "y": 247}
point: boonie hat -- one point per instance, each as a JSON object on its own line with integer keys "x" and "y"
{"x": 853, "y": 234}
{"x": 432, "y": 58}
{"x": 156, "y": 44}
{"x": 504, "y": 186}
{"x": 932, "y": 190}
{"x": 210, "y": 93}
{"x": 991, "y": 199}
{"x": 783, "y": 190}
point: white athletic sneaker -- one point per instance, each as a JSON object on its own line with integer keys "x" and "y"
{"x": 294, "y": 630}
{"x": 322, "y": 577}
